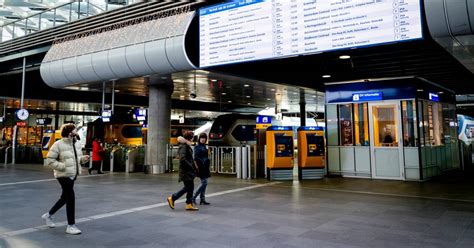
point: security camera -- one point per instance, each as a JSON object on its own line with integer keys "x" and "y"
{"x": 193, "y": 95}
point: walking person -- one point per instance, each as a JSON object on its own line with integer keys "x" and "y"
{"x": 97, "y": 156}
{"x": 201, "y": 157}
{"x": 65, "y": 158}
{"x": 187, "y": 172}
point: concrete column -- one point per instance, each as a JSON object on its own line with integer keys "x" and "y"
{"x": 159, "y": 122}
{"x": 302, "y": 108}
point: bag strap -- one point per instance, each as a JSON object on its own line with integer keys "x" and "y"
{"x": 75, "y": 155}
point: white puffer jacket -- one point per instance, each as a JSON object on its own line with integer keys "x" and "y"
{"x": 62, "y": 160}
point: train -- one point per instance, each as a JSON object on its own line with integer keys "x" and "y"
{"x": 240, "y": 129}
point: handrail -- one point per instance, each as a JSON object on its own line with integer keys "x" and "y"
{"x": 39, "y": 13}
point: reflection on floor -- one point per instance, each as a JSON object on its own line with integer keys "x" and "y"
{"x": 334, "y": 212}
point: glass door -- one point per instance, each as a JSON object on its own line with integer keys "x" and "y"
{"x": 385, "y": 141}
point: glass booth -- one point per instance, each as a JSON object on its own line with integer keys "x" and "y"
{"x": 404, "y": 129}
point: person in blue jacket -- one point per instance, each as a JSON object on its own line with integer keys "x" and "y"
{"x": 201, "y": 157}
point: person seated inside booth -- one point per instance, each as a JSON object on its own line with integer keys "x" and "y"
{"x": 388, "y": 139}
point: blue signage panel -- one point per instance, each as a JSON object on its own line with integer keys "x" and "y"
{"x": 433, "y": 97}
{"x": 264, "y": 119}
{"x": 310, "y": 129}
{"x": 367, "y": 96}
{"x": 277, "y": 128}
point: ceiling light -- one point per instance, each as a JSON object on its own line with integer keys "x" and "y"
{"x": 269, "y": 99}
{"x": 345, "y": 57}
{"x": 441, "y": 92}
{"x": 314, "y": 96}
{"x": 223, "y": 93}
{"x": 246, "y": 85}
{"x": 419, "y": 90}
{"x": 249, "y": 103}
{"x": 229, "y": 101}
{"x": 182, "y": 96}
{"x": 117, "y": 90}
{"x": 247, "y": 96}
{"x": 273, "y": 89}
{"x": 326, "y": 76}
{"x": 213, "y": 80}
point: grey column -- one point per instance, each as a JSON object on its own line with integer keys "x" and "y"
{"x": 302, "y": 108}
{"x": 159, "y": 122}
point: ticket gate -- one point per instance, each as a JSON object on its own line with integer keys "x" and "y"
{"x": 279, "y": 153}
{"x": 311, "y": 155}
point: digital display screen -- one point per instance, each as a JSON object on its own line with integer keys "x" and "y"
{"x": 283, "y": 145}
{"x": 247, "y": 30}
{"x": 315, "y": 145}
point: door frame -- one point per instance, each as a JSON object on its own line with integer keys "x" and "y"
{"x": 398, "y": 116}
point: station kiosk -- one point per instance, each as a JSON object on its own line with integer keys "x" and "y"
{"x": 279, "y": 153}
{"x": 311, "y": 153}
{"x": 398, "y": 129}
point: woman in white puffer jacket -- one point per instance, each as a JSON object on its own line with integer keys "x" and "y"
{"x": 65, "y": 158}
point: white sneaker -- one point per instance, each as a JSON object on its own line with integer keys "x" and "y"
{"x": 72, "y": 229}
{"x": 49, "y": 221}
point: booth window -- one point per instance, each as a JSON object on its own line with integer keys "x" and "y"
{"x": 432, "y": 133}
{"x": 332, "y": 121}
{"x": 361, "y": 124}
{"x": 345, "y": 125}
{"x": 409, "y": 123}
{"x": 385, "y": 125}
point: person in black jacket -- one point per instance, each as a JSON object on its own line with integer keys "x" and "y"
{"x": 201, "y": 157}
{"x": 187, "y": 172}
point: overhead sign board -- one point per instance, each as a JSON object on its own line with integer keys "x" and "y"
{"x": 106, "y": 115}
{"x": 263, "y": 122}
{"x": 43, "y": 121}
{"x": 367, "y": 96}
{"x": 140, "y": 114}
{"x": 433, "y": 97}
{"x": 247, "y": 30}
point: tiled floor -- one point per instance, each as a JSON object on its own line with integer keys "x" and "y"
{"x": 333, "y": 212}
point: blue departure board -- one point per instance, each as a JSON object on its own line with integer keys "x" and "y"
{"x": 249, "y": 30}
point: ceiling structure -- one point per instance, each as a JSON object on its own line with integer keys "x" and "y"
{"x": 288, "y": 76}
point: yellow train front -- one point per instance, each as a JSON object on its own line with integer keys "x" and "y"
{"x": 311, "y": 155}
{"x": 279, "y": 153}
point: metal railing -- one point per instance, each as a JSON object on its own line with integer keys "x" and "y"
{"x": 238, "y": 161}
{"x": 52, "y": 17}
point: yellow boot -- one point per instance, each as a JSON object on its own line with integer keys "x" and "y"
{"x": 190, "y": 207}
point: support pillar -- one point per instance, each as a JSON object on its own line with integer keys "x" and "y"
{"x": 302, "y": 108}
{"x": 159, "y": 122}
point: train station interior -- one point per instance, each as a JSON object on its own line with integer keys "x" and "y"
{"x": 325, "y": 123}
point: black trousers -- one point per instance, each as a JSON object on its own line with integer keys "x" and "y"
{"x": 96, "y": 165}
{"x": 188, "y": 189}
{"x": 68, "y": 198}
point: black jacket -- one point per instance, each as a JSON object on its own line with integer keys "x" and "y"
{"x": 187, "y": 170}
{"x": 201, "y": 156}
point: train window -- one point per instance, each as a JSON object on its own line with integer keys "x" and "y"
{"x": 132, "y": 132}
{"x": 244, "y": 133}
